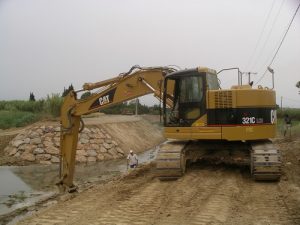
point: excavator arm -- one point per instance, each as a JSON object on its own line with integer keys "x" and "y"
{"x": 135, "y": 83}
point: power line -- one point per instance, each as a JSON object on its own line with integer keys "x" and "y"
{"x": 280, "y": 43}
{"x": 261, "y": 77}
{"x": 285, "y": 35}
{"x": 260, "y": 36}
{"x": 274, "y": 49}
{"x": 268, "y": 36}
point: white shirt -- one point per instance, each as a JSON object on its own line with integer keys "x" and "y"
{"x": 132, "y": 159}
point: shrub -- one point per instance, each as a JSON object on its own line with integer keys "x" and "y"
{"x": 53, "y": 104}
{"x": 85, "y": 95}
{"x": 16, "y": 119}
{"x": 293, "y": 113}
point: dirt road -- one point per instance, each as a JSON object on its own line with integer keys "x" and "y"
{"x": 205, "y": 195}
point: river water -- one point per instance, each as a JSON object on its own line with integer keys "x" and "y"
{"x": 23, "y": 185}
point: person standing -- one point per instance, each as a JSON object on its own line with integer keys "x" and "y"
{"x": 287, "y": 124}
{"x": 132, "y": 160}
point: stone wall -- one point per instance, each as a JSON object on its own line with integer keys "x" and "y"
{"x": 40, "y": 144}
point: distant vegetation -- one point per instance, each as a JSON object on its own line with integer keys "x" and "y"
{"x": 16, "y": 118}
{"x": 20, "y": 113}
{"x": 293, "y": 113}
{"x": 66, "y": 91}
{"x": 129, "y": 108}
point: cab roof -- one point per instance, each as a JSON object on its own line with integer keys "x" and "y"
{"x": 188, "y": 71}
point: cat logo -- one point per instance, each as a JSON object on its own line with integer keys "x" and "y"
{"x": 104, "y": 100}
{"x": 107, "y": 98}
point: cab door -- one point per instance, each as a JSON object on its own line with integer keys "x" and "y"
{"x": 189, "y": 99}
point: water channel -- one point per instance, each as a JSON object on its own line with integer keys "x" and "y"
{"x": 24, "y": 185}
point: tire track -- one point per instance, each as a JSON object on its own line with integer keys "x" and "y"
{"x": 137, "y": 208}
{"x": 180, "y": 204}
{"x": 204, "y": 196}
{"x": 260, "y": 203}
{"x": 213, "y": 208}
{"x": 72, "y": 211}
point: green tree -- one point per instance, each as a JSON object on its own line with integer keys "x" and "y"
{"x": 66, "y": 91}
{"x": 85, "y": 95}
{"x": 53, "y": 104}
{"x": 298, "y": 86}
{"x": 31, "y": 97}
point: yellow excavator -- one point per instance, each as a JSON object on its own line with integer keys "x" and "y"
{"x": 199, "y": 118}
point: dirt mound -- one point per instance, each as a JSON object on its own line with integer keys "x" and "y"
{"x": 136, "y": 135}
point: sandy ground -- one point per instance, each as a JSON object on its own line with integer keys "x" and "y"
{"x": 207, "y": 194}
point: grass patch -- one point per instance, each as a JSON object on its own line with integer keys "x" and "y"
{"x": 294, "y": 113}
{"x": 19, "y": 113}
{"x": 16, "y": 119}
{"x": 295, "y": 130}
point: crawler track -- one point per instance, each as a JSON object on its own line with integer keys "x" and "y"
{"x": 263, "y": 157}
{"x": 170, "y": 163}
{"x": 265, "y": 161}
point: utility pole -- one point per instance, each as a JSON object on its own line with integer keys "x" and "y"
{"x": 272, "y": 72}
{"x": 281, "y": 103}
{"x": 136, "y": 106}
{"x": 249, "y": 77}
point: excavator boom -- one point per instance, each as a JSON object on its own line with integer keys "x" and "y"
{"x": 135, "y": 83}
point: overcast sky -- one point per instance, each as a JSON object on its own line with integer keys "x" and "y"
{"x": 47, "y": 44}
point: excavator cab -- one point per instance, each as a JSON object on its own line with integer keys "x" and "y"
{"x": 189, "y": 95}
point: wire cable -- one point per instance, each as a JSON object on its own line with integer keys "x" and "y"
{"x": 272, "y": 52}
{"x": 268, "y": 35}
{"x": 262, "y": 76}
{"x": 285, "y": 35}
{"x": 260, "y": 36}
{"x": 280, "y": 43}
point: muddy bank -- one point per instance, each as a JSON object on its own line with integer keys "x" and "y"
{"x": 31, "y": 188}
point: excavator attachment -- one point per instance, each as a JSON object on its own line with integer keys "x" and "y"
{"x": 138, "y": 81}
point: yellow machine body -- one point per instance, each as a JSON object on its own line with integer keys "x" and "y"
{"x": 194, "y": 108}
{"x": 235, "y": 98}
